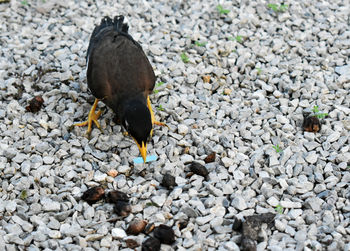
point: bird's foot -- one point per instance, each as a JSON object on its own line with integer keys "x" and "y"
{"x": 92, "y": 118}
{"x": 160, "y": 123}
{"x": 154, "y": 121}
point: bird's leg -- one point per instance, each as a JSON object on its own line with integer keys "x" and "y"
{"x": 92, "y": 118}
{"x": 154, "y": 122}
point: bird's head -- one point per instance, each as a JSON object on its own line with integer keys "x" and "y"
{"x": 137, "y": 121}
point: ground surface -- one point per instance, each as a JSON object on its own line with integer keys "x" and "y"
{"x": 249, "y": 78}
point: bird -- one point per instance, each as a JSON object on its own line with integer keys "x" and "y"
{"x": 120, "y": 75}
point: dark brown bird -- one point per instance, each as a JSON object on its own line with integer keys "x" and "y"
{"x": 120, "y": 75}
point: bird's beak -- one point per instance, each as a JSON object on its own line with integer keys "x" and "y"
{"x": 143, "y": 150}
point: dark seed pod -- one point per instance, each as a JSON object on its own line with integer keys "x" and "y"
{"x": 311, "y": 124}
{"x": 149, "y": 228}
{"x": 151, "y": 244}
{"x": 122, "y": 208}
{"x": 237, "y": 224}
{"x": 115, "y": 195}
{"x": 35, "y": 104}
{"x": 136, "y": 227}
{"x": 130, "y": 243}
{"x": 164, "y": 234}
{"x": 210, "y": 158}
{"x": 199, "y": 169}
{"x": 168, "y": 181}
{"x": 93, "y": 195}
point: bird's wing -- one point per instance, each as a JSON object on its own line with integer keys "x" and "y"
{"x": 118, "y": 68}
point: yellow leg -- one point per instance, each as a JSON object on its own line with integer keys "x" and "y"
{"x": 154, "y": 122}
{"x": 92, "y": 118}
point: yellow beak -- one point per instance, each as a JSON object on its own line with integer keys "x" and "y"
{"x": 143, "y": 150}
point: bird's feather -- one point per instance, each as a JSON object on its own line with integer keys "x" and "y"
{"x": 118, "y": 69}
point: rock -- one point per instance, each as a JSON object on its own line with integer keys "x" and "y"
{"x": 159, "y": 200}
{"x": 118, "y": 233}
{"x": 239, "y": 203}
{"x": 49, "y": 205}
{"x": 311, "y": 157}
{"x": 182, "y": 129}
{"x": 231, "y": 246}
{"x": 314, "y": 203}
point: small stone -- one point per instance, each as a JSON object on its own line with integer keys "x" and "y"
{"x": 280, "y": 226}
{"x": 311, "y": 157}
{"x": 290, "y": 204}
{"x": 218, "y": 210}
{"x": 113, "y": 173}
{"x": 290, "y": 230}
{"x": 282, "y": 119}
{"x": 273, "y": 161}
{"x": 227, "y": 161}
{"x": 333, "y": 137}
{"x": 106, "y": 242}
{"x": 206, "y": 78}
{"x": 191, "y": 79}
{"x": 11, "y": 206}
{"x": 159, "y": 200}
{"x": 272, "y": 201}
{"x": 118, "y": 233}
{"x": 314, "y": 203}
{"x": 239, "y": 203}
{"x": 182, "y": 129}
{"x": 156, "y": 50}
{"x": 231, "y": 246}
{"x": 49, "y": 205}
{"x": 227, "y": 91}
{"x": 204, "y": 219}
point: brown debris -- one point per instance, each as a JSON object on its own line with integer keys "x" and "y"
{"x": 130, "y": 243}
{"x": 199, "y": 169}
{"x": 35, "y": 104}
{"x": 311, "y": 124}
{"x": 210, "y": 158}
{"x": 115, "y": 195}
{"x": 151, "y": 244}
{"x": 136, "y": 227}
{"x": 168, "y": 181}
{"x": 93, "y": 195}
{"x": 164, "y": 234}
{"x": 122, "y": 208}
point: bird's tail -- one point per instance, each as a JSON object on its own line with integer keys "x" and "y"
{"x": 117, "y": 23}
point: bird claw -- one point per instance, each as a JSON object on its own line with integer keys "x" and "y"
{"x": 160, "y": 124}
{"x": 92, "y": 118}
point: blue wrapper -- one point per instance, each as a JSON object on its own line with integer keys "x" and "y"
{"x": 139, "y": 160}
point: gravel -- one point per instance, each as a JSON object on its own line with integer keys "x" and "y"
{"x": 249, "y": 82}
